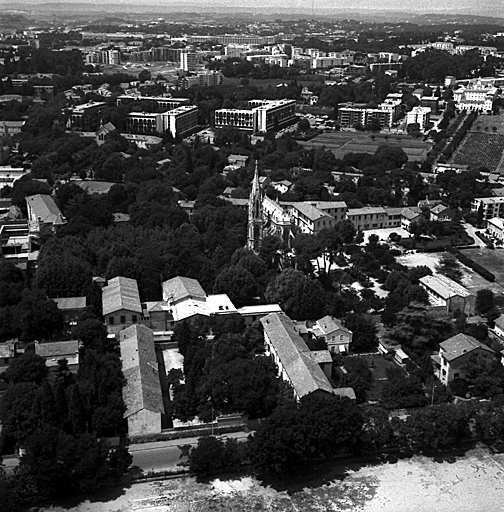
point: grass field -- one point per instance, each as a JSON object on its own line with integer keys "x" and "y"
{"x": 341, "y": 143}
{"x": 492, "y": 260}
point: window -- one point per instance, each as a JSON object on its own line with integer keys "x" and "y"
{"x": 456, "y": 375}
{"x": 134, "y": 319}
{"x": 123, "y": 319}
{"x": 111, "y": 320}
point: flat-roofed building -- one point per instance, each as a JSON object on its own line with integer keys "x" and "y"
{"x": 491, "y": 206}
{"x": 420, "y": 116}
{"x": 180, "y": 121}
{"x": 121, "y": 304}
{"x": 445, "y": 293}
{"x": 251, "y": 314}
{"x": 495, "y": 228}
{"x": 86, "y": 116}
{"x": 142, "y": 393}
{"x": 161, "y": 103}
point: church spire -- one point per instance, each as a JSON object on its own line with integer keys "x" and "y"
{"x": 255, "y": 214}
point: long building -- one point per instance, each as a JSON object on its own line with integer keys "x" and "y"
{"x": 158, "y": 103}
{"x": 306, "y": 371}
{"x": 178, "y": 122}
{"x": 142, "y": 393}
{"x": 261, "y": 116}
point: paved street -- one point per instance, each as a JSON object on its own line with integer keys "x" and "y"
{"x": 165, "y": 455}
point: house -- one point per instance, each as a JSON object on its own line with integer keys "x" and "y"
{"x": 495, "y": 228}
{"x": 142, "y": 393}
{"x": 441, "y": 213}
{"x": 187, "y": 300}
{"x": 71, "y": 308}
{"x": 336, "y": 336}
{"x": 121, "y": 304}
{"x": 447, "y": 294}
{"x": 498, "y": 331}
{"x": 43, "y": 213}
{"x": 7, "y": 354}
{"x": 368, "y": 217}
{"x": 53, "y": 351}
{"x": 454, "y": 354}
{"x": 306, "y": 372}
{"x": 282, "y": 186}
{"x": 239, "y": 160}
{"x": 410, "y": 217}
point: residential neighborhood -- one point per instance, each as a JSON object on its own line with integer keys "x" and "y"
{"x": 254, "y": 247}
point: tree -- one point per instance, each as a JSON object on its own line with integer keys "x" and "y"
{"x": 364, "y": 337}
{"x": 485, "y": 301}
{"x": 238, "y": 283}
{"x": 28, "y": 367}
{"x": 300, "y": 296}
{"x": 212, "y": 455}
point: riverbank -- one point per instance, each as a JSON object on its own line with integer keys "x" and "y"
{"x": 470, "y": 483}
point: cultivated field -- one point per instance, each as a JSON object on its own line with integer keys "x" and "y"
{"x": 344, "y": 142}
{"x": 481, "y": 149}
{"x": 483, "y": 144}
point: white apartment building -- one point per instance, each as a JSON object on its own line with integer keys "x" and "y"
{"x": 420, "y": 115}
{"x": 492, "y": 206}
{"x": 262, "y": 116}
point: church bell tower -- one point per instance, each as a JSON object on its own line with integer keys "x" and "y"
{"x": 255, "y": 214}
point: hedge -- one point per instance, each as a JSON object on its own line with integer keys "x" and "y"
{"x": 468, "y": 262}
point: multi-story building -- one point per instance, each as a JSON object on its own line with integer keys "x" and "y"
{"x": 121, "y": 304}
{"x": 491, "y": 206}
{"x": 350, "y": 116}
{"x": 369, "y": 217}
{"x": 207, "y": 79}
{"x": 431, "y": 102}
{"x": 306, "y": 371}
{"x": 420, "y": 116}
{"x": 476, "y": 97}
{"x": 180, "y": 121}
{"x": 262, "y": 116}
{"x": 156, "y": 103}
{"x": 454, "y": 353}
{"x": 84, "y": 117}
{"x": 43, "y": 214}
{"x": 177, "y": 122}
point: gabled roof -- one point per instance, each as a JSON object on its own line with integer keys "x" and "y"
{"x": 140, "y": 369}
{"x": 439, "y": 208}
{"x": 43, "y": 206}
{"x": 460, "y": 345}
{"x": 444, "y": 286}
{"x": 121, "y": 293}
{"x": 179, "y": 288}
{"x": 328, "y": 324}
{"x": 499, "y": 322}
{"x": 304, "y": 373}
{"x": 310, "y": 211}
{"x": 411, "y": 214}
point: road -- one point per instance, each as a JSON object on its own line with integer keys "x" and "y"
{"x": 471, "y": 231}
{"x": 165, "y": 455}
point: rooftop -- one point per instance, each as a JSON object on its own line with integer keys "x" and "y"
{"x": 179, "y": 288}
{"x": 140, "y": 368}
{"x": 304, "y": 373}
{"x": 328, "y": 324}
{"x": 67, "y": 303}
{"x": 444, "y": 286}
{"x": 57, "y": 349}
{"x": 121, "y": 293}
{"x": 461, "y": 344}
{"x": 44, "y": 208}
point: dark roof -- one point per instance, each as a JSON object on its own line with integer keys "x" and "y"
{"x": 140, "y": 369}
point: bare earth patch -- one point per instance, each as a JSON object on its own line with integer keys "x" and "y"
{"x": 471, "y": 483}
